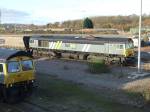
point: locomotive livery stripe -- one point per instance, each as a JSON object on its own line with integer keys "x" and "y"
{"x": 56, "y": 45}
{"x": 53, "y": 46}
{"x": 59, "y": 45}
{"x": 83, "y": 49}
{"x": 86, "y": 48}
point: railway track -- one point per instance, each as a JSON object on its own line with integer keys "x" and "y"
{"x": 25, "y": 106}
{"x": 34, "y": 107}
{"x": 77, "y": 60}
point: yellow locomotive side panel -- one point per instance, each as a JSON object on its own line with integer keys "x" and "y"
{"x": 21, "y": 75}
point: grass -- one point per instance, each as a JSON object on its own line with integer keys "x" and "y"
{"x": 98, "y": 66}
{"x": 142, "y": 96}
{"x": 139, "y": 89}
{"x": 65, "y": 96}
{"x": 146, "y": 95}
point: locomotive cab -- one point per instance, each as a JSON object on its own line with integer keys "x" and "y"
{"x": 16, "y": 75}
{"x": 129, "y": 49}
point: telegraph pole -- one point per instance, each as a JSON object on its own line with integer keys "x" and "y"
{"x": 139, "y": 40}
{"x": 0, "y": 17}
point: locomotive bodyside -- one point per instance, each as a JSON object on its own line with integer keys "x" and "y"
{"x": 105, "y": 46}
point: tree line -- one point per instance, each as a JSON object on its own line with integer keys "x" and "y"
{"x": 117, "y": 22}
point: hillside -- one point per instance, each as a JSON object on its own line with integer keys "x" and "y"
{"x": 116, "y": 22}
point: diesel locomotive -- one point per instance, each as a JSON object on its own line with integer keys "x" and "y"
{"x": 16, "y": 75}
{"x": 109, "y": 48}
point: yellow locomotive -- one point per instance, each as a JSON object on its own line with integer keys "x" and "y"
{"x": 16, "y": 75}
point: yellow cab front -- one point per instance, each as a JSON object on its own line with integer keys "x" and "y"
{"x": 18, "y": 69}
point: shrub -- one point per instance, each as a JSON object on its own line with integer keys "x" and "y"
{"x": 98, "y": 66}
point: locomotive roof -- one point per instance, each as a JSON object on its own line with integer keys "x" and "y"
{"x": 6, "y": 54}
{"x": 79, "y": 39}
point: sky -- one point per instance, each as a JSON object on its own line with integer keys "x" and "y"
{"x": 46, "y": 11}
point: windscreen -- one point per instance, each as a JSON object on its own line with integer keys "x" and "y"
{"x": 13, "y": 67}
{"x": 27, "y": 65}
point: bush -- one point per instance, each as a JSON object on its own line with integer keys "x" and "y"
{"x": 98, "y": 66}
{"x": 87, "y": 23}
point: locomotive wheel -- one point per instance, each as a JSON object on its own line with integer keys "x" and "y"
{"x": 85, "y": 56}
{"x": 28, "y": 90}
{"x": 57, "y": 55}
{"x": 25, "y": 91}
{"x": 1, "y": 96}
{"x": 16, "y": 94}
{"x": 11, "y": 95}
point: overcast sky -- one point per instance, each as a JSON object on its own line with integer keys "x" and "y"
{"x": 45, "y": 11}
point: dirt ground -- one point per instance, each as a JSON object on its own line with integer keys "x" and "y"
{"x": 77, "y": 72}
{"x": 67, "y": 86}
{"x": 55, "y": 95}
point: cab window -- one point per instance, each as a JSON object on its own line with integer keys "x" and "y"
{"x": 129, "y": 45}
{"x": 13, "y": 67}
{"x": 119, "y": 46}
{"x": 27, "y": 65}
{"x": 1, "y": 68}
{"x": 31, "y": 41}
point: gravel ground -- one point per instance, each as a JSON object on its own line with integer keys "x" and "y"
{"x": 67, "y": 86}
{"x": 78, "y": 72}
{"x": 111, "y": 84}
